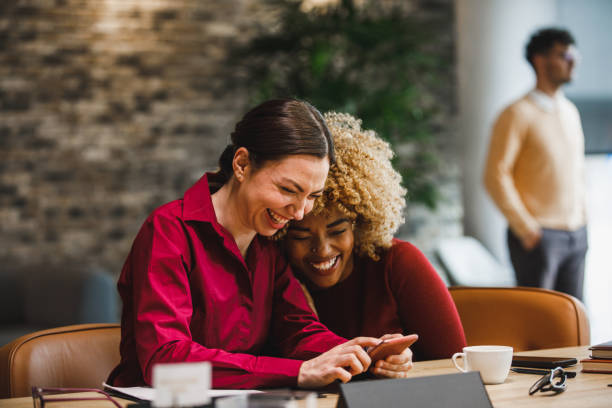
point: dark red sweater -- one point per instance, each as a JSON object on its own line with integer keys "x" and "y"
{"x": 401, "y": 293}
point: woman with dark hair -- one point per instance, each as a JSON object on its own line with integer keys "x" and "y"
{"x": 203, "y": 283}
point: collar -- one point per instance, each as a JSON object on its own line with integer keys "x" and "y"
{"x": 546, "y": 102}
{"x": 197, "y": 202}
{"x": 198, "y": 206}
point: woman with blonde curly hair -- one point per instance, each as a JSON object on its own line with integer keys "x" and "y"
{"x": 363, "y": 282}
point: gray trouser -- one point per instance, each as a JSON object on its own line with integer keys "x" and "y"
{"x": 556, "y": 262}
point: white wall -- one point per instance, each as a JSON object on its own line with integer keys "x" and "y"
{"x": 590, "y": 23}
{"x": 598, "y": 277}
{"x": 492, "y": 71}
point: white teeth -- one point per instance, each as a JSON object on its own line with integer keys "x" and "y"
{"x": 325, "y": 265}
{"x": 277, "y": 218}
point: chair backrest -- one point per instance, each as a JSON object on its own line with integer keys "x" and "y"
{"x": 524, "y": 318}
{"x": 71, "y": 356}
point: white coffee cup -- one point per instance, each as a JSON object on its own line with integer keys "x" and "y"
{"x": 493, "y": 362}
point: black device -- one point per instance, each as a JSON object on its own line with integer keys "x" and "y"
{"x": 538, "y": 371}
{"x": 464, "y": 390}
{"x": 542, "y": 362}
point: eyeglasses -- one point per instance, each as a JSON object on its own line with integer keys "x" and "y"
{"x": 547, "y": 382}
{"x": 570, "y": 55}
{"x": 40, "y": 396}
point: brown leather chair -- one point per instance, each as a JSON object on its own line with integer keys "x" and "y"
{"x": 524, "y": 318}
{"x": 71, "y": 356}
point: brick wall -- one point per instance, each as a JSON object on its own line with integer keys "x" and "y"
{"x": 108, "y": 109}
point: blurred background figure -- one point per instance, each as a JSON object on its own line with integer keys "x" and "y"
{"x": 535, "y": 172}
{"x": 492, "y": 73}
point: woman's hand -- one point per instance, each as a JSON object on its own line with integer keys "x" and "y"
{"x": 340, "y": 363}
{"x": 396, "y": 366}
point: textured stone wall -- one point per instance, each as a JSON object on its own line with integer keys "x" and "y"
{"x": 107, "y": 110}
{"x": 110, "y": 108}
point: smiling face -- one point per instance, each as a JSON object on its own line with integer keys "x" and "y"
{"x": 279, "y": 191}
{"x": 321, "y": 247}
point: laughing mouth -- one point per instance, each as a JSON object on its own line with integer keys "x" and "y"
{"x": 277, "y": 218}
{"x": 326, "y": 265}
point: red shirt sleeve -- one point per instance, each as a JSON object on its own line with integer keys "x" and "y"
{"x": 424, "y": 303}
{"x": 163, "y": 310}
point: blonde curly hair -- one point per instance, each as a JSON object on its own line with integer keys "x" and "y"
{"x": 363, "y": 185}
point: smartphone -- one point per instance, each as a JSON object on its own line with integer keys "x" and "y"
{"x": 391, "y": 347}
{"x": 542, "y": 362}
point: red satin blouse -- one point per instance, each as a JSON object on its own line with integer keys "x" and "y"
{"x": 189, "y": 295}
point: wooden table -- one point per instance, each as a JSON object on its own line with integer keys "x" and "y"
{"x": 586, "y": 390}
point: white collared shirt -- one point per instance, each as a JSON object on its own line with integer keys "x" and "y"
{"x": 546, "y": 102}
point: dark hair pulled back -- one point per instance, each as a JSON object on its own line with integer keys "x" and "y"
{"x": 275, "y": 129}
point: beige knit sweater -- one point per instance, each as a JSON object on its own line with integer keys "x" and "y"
{"x": 535, "y": 167}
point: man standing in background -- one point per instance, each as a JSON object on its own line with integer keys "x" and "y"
{"x": 535, "y": 172}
